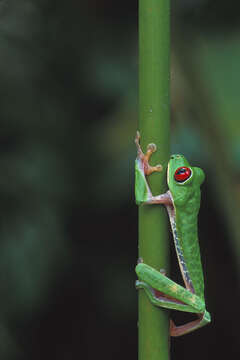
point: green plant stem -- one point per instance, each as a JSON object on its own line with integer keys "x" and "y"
{"x": 154, "y": 76}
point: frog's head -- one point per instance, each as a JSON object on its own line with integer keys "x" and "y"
{"x": 180, "y": 173}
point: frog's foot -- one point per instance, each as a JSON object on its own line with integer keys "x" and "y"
{"x": 144, "y": 158}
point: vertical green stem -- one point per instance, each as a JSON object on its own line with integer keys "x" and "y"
{"x": 154, "y": 77}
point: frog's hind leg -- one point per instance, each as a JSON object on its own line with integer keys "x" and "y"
{"x": 158, "y": 298}
{"x": 163, "y": 292}
{"x": 151, "y": 279}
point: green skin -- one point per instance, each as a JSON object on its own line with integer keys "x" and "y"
{"x": 182, "y": 202}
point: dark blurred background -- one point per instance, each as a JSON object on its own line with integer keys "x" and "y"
{"x": 68, "y": 224}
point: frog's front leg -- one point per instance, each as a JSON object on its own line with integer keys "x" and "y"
{"x": 143, "y": 192}
{"x": 144, "y": 158}
{"x": 165, "y": 293}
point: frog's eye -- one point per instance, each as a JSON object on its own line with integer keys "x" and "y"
{"x": 182, "y": 174}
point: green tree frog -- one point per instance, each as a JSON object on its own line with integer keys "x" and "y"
{"x": 182, "y": 202}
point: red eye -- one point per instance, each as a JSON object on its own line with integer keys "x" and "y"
{"x": 182, "y": 174}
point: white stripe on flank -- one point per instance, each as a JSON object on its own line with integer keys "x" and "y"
{"x": 181, "y": 260}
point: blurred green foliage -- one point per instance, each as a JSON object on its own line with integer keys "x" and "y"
{"x": 68, "y": 225}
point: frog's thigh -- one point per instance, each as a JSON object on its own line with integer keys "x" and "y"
{"x": 162, "y": 283}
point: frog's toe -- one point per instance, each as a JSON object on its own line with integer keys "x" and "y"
{"x": 158, "y": 167}
{"x": 163, "y": 271}
{"x": 152, "y": 147}
{"x": 137, "y": 137}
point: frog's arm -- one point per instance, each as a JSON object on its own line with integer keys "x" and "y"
{"x": 143, "y": 194}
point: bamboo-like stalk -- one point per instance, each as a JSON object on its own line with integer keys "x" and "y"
{"x": 154, "y": 127}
